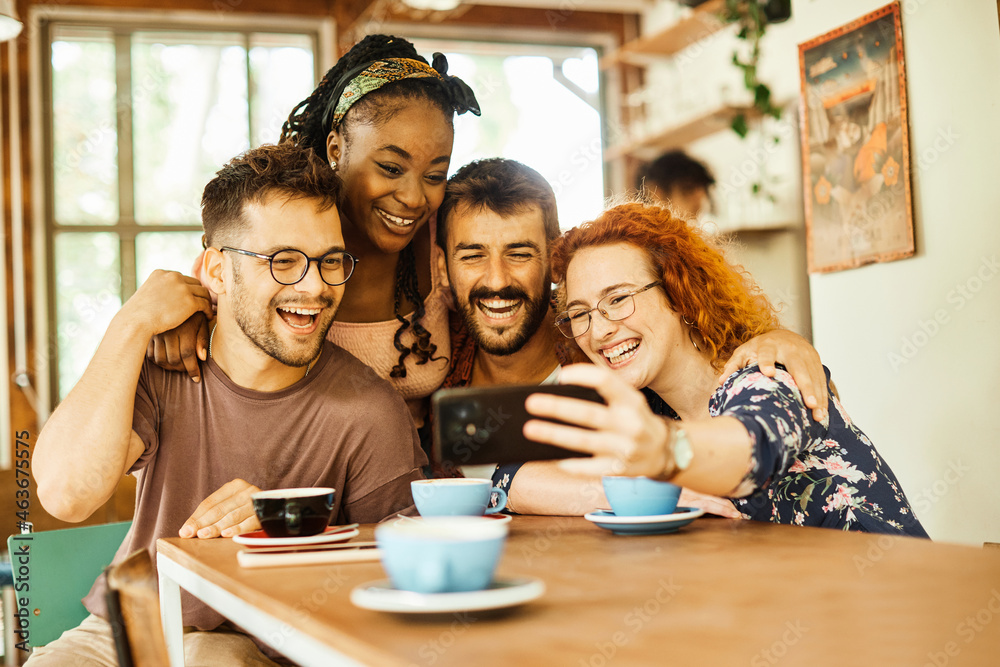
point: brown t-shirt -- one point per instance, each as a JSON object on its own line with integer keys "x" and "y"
{"x": 340, "y": 426}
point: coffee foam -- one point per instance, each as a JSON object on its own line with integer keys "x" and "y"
{"x": 460, "y": 528}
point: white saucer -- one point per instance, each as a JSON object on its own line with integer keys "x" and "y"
{"x": 504, "y": 592}
{"x": 259, "y": 538}
{"x": 644, "y": 525}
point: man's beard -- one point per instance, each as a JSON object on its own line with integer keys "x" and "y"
{"x": 259, "y": 330}
{"x": 511, "y": 339}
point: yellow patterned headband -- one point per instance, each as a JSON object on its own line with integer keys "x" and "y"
{"x": 369, "y": 77}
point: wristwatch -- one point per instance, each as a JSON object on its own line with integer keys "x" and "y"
{"x": 680, "y": 452}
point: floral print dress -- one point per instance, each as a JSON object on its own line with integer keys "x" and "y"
{"x": 805, "y": 472}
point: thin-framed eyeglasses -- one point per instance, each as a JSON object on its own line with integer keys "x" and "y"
{"x": 575, "y": 322}
{"x": 291, "y": 266}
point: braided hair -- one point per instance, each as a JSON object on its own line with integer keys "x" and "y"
{"x": 307, "y": 126}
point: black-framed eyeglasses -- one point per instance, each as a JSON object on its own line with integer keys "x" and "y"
{"x": 576, "y": 321}
{"x": 291, "y": 266}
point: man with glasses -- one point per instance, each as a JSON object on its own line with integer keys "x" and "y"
{"x": 277, "y": 406}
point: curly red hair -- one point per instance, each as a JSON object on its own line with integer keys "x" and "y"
{"x": 721, "y": 299}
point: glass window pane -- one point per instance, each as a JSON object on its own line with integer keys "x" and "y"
{"x": 281, "y": 75}
{"x": 88, "y": 294}
{"x": 190, "y": 117}
{"x": 531, "y": 117}
{"x": 584, "y": 71}
{"x": 174, "y": 251}
{"x": 85, "y": 135}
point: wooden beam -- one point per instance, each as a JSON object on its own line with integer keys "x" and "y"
{"x": 567, "y": 19}
{"x": 288, "y": 7}
{"x": 357, "y": 18}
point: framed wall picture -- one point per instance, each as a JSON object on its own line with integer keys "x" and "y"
{"x": 855, "y": 144}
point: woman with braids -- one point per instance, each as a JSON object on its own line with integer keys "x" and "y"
{"x": 383, "y": 119}
{"x": 658, "y": 311}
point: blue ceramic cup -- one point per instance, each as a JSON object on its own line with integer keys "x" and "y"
{"x": 441, "y": 554}
{"x": 456, "y": 497}
{"x": 640, "y": 496}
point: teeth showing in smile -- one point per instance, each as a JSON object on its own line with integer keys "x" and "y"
{"x": 396, "y": 220}
{"x": 299, "y": 318}
{"x": 499, "y": 307}
{"x": 621, "y": 352}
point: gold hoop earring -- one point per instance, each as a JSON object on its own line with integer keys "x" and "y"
{"x": 693, "y": 341}
{"x": 691, "y": 331}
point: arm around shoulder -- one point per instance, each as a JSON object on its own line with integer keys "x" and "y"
{"x": 796, "y": 354}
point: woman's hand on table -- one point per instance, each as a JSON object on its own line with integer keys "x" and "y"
{"x": 712, "y": 504}
{"x": 796, "y": 354}
{"x": 226, "y": 513}
{"x": 624, "y": 435}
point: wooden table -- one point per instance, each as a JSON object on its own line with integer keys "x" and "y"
{"x": 719, "y": 592}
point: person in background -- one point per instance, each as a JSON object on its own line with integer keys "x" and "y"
{"x": 496, "y": 224}
{"x": 278, "y": 407}
{"x": 657, "y": 309}
{"x": 383, "y": 119}
{"x": 679, "y": 180}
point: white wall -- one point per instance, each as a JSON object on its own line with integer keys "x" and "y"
{"x": 933, "y": 411}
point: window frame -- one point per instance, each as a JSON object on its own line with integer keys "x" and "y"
{"x": 121, "y": 24}
{"x": 611, "y": 96}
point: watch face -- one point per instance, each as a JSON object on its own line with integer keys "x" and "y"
{"x": 682, "y": 450}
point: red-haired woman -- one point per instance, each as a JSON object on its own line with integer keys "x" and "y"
{"x": 658, "y": 311}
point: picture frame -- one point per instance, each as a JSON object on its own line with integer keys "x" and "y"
{"x": 855, "y": 144}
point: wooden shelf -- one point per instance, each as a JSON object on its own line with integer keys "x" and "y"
{"x": 758, "y": 229}
{"x": 703, "y": 21}
{"x": 680, "y": 135}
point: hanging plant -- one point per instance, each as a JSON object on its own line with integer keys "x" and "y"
{"x": 752, "y": 17}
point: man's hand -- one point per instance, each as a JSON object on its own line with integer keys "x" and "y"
{"x": 227, "y": 512}
{"x": 796, "y": 354}
{"x": 166, "y": 300}
{"x": 180, "y": 348}
{"x": 711, "y": 504}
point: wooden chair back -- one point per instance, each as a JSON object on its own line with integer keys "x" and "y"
{"x": 134, "y": 610}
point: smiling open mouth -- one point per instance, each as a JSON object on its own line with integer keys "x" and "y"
{"x": 499, "y": 309}
{"x": 299, "y": 318}
{"x": 395, "y": 220}
{"x": 621, "y": 352}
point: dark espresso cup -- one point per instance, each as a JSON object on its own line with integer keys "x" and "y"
{"x": 294, "y": 512}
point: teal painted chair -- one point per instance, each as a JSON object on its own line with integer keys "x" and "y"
{"x": 61, "y": 567}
